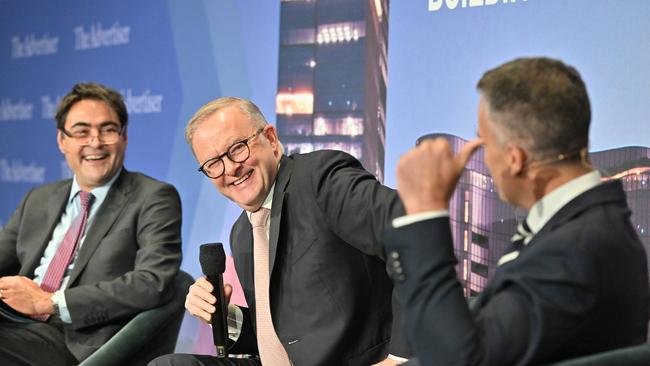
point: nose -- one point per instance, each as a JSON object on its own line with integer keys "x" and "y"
{"x": 94, "y": 141}
{"x": 230, "y": 167}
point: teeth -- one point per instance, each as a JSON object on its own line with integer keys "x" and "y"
{"x": 242, "y": 179}
{"x": 95, "y": 157}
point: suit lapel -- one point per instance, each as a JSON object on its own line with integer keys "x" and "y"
{"x": 241, "y": 245}
{"x": 55, "y": 207}
{"x": 112, "y": 207}
{"x": 284, "y": 175}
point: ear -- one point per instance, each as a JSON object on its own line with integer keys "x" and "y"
{"x": 59, "y": 141}
{"x": 271, "y": 135}
{"x": 516, "y": 158}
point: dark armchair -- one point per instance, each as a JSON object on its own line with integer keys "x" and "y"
{"x": 148, "y": 335}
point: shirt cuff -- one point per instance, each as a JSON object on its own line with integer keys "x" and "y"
{"x": 59, "y": 299}
{"x": 398, "y": 359}
{"x": 421, "y": 216}
{"x": 235, "y": 320}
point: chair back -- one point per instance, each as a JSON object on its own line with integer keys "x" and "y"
{"x": 150, "y": 334}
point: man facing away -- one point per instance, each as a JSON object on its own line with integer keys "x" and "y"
{"x": 83, "y": 256}
{"x": 576, "y": 279}
{"x": 306, "y": 247}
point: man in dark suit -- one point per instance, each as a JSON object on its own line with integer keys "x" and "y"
{"x": 128, "y": 253}
{"x": 576, "y": 280}
{"x": 328, "y": 298}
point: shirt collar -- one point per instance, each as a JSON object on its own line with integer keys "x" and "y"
{"x": 549, "y": 205}
{"x": 99, "y": 192}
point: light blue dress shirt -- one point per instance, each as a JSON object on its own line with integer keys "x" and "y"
{"x": 72, "y": 209}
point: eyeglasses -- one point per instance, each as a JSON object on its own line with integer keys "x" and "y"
{"x": 237, "y": 153}
{"x": 107, "y": 134}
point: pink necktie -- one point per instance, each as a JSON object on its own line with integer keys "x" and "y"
{"x": 271, "y": 350}
{"x": 55, "y": 271}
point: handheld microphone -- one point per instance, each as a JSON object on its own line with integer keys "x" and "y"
{"x": 213, "y": 263}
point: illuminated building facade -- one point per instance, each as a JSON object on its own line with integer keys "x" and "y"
{"x": 332, "y": 78}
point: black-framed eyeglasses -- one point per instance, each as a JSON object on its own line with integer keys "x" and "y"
{"x": 237, "y": 153}
{"x": 107, "y": 134}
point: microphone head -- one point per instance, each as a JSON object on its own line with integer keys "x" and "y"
{"x": 212, "y": 259}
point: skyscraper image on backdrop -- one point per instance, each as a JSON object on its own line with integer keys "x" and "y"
{"x": 332, "y": 78}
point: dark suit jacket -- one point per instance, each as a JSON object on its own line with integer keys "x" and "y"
{"x": 579, "y": 287}
{"x": 126, "y": 264}
{"x": 330, "y": 294}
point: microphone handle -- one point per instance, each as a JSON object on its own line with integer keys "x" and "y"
{"x": 219, "y": 317}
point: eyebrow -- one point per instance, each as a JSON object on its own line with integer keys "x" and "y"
{"x": 87, "y": 124}
{"x": 221, "y": 155}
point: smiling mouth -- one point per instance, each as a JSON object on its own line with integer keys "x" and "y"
{"x": 95, "y": 157}
{"x": 242, "y": 179}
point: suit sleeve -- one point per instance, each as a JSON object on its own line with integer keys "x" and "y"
{"x": 9, "y": 263}
{"x": 359, "y": 209}
{"x": 517, "y": 325}
{"x": 156, "y": 234}
{"x": 354, "y": 204}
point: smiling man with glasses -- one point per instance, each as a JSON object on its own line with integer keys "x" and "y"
{"x": 81, "y": 257}
{"x": 306, "y": 247}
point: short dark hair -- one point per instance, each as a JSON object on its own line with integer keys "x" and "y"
{"x": 540, "y": 102}
{"x": 94, "y": 91}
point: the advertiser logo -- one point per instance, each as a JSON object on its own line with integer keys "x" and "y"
{"x": 15, "y": 111}
{"x": 49, "y": 106}
{"x": 436, "y": 5}
{"x": 17, "y": 172}
{"x": 31, "y": 45}
{"x": 97, "y": 36}
{"x": 142, "y": 103}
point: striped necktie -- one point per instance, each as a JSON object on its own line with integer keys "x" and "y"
{"x": 519, "y": 240}
{"x": 64, "y": 254}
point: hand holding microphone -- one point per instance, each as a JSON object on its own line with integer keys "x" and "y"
{"x": 200, "y": 302}
{"x": 208, "y": 297}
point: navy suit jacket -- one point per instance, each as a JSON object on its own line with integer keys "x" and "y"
{"x": 579, "y": 287}
{"x": 330, "y": 294}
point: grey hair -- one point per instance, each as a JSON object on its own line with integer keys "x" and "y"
{"x": 246, "y": 106}
{"x": 540, "y": 103}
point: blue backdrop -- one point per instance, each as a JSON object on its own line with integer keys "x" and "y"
{"x": 170, "y": 57}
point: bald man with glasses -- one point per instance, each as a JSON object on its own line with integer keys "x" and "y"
{"x": 80, "y": 257}
{"x": 306, "y": 248}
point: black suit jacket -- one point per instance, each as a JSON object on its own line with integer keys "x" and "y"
{"x": 579, "y": 287}
{"x": 126, "y": 264}
{"x": 330, "y": 294}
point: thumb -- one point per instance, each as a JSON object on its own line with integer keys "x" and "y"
{"x": 467, "y": 151}
{"x": 227, "y": 292}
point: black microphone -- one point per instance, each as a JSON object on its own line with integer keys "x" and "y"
{"x": 213, "y": 263}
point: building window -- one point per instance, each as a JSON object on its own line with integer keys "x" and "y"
{"x": 297, "y": 36}
{"x": 465, "y": 270}
{"x": 346, "y": 126}
{"x": 294, "y": 103}
{"x": 352, "y": 148}
{"x": 340, "y": 32}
